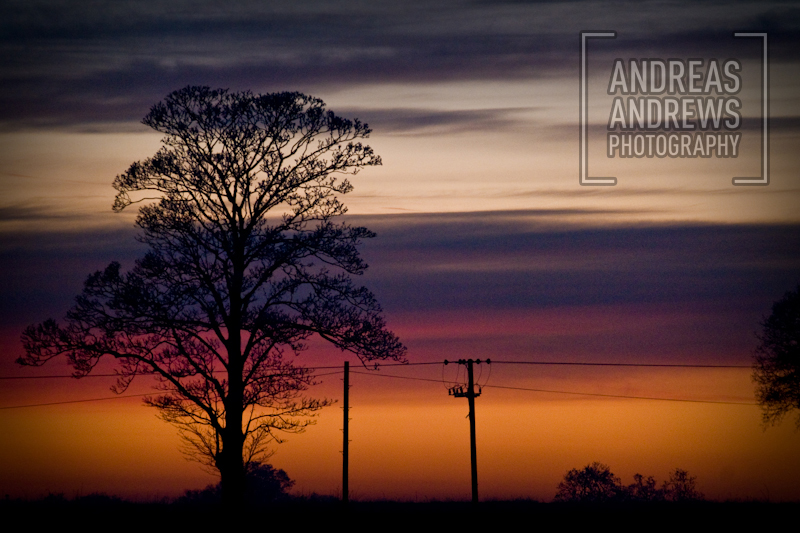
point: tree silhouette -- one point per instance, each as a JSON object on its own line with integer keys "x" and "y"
{"x": 264, "y": 484}
{"x": 776, "y": 369}
{"x": 643, "y": 489}
{"x": 681, "y": 487}
{"x": 593, "y": 484}
{"x": 245, "y": 263}
{"x": 596, "y": 484}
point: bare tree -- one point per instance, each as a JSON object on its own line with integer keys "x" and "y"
{"x": 776, "y": 369}
{"x": 245, "y": 264}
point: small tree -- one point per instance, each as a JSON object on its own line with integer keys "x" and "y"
{"x": 681, "y": 487}
{"x": 643, "y": 489}
{"x": 245, "y": 264}
{"x": 776, "y": 369}
{"x": 594, "y": 484}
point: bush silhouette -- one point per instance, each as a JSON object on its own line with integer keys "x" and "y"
{"x": 595, "y": 483}
{"x": 264, "y": 484}
{"x": 681, "y": 487}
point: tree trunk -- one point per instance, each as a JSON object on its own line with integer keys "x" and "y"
{"x": 232, "y": 471}
{"x": 231, "y": 468}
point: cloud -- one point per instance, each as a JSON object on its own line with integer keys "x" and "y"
{"x": 525, "y": 260}
{"x": 99, "y": 63}
{"x": 508, "y": 260}
{"x": 436, "y": 122}
{"x": 522, "y": 283}
{"x": 30, "y": 213}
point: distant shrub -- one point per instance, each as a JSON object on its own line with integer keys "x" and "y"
{"x": 264, "y": 484}
{"x": 681, "y": 487}
{"x": 644, "y": 489}
{"x": 595, "y": 483}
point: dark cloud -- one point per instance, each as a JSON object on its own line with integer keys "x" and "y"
{"x": 99, "y": 62}
{"x": 42, "y": 272}
{"x": 521, "y": 259}
{"x": 486, "y": 263}
{"x": 433, "y": 122}
{"x": 17, "y": 213}
{"x": 710, "y": 284}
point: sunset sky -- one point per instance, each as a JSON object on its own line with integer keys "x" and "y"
{"x": 487, "y": 245}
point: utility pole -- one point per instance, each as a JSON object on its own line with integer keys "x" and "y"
{"x": 459, "y": 392}
{"x": 346, "y": 432}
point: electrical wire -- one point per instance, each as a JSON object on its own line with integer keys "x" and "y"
{"x": 645, "y": 365}
{"x": 571, "y": 392}
{"x": 396, "y": 377}
{"x": 443, "y": 381}
{"x": 76, "y": 401}
{"x": 494, "y": 362}
{"x": 621, "y": 396}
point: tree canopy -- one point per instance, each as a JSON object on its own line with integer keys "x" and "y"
{"x": 776, "y": 366}
{"x": 246, "y": 261}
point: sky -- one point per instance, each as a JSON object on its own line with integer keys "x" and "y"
{"x": 487, "y": 244}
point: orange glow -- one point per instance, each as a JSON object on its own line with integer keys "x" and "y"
{"x": 417, "y": 446}
{"x": 117, "y": 447}
{"x": 412, "y": 442}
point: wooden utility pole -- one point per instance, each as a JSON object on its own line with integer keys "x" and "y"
{"x": 346, "y": 432}
{"x": 459, "y": 392}
{"x": 472, "y": 447}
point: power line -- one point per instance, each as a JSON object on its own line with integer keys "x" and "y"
{"x": 126, "y": 395}
{"x": 553, "y": 363}
{"x": 645, "y": 365}
{"x": 377, "y": 366}
{"x": 396, "y": 377}
{"x": 328, "y": 374}
{"x": 76, "y": 401}
{"x": 442, "y": 381}
{"x": 621, "y": 396}
{"x": 568, "y": 392}
{"x": 64, "y": 376}
{"x": 339, "y": 368}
